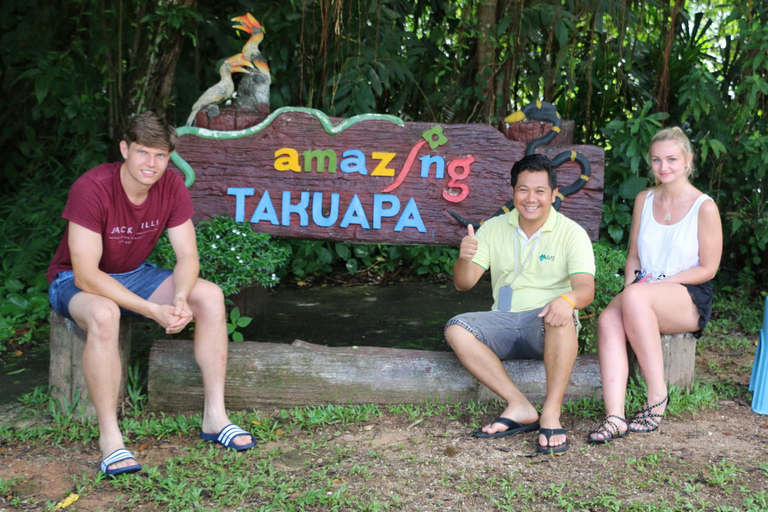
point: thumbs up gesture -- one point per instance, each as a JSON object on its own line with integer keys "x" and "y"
{"x": 468, "y": 247}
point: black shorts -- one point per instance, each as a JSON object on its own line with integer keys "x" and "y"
{"x": 702, "y": 296}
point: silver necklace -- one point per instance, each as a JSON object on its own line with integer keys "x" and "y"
{"x": 668, "y": 216}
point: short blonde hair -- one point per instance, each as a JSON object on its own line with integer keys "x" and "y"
{"x": 676, "y": 134}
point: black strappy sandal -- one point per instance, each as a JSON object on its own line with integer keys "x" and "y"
{"x": 610, "y": 428}
{"x": 645, "y": 418}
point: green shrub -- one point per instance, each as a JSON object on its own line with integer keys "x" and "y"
{"x": 231, "y": 254}
{"x": 609, "y": 281}
{"x": 312, "y": 257}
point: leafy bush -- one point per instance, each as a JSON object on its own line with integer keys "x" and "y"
{"x": 231, "y": 255}
{"x": 609, "y": 281}
{"x": 311, "y": 257}
{"x": 24, "y": 311}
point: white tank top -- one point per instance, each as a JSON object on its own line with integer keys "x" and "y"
{"x": 666, "y": 250}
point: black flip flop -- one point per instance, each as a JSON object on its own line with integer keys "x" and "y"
{"x": 553, "y": 450}
{"x": 513, "y": 428}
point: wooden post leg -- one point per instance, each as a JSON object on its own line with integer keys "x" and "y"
{"x": 66, "y": 378}
{"x": 679, "y": 352}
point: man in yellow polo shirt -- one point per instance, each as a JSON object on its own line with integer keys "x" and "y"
{"x": 542, "y": 271}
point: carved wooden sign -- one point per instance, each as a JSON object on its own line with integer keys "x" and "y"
{"x": 373, "y": 178}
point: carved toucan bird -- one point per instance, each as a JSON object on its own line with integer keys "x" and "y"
{"x": 546, "y": 112}
{"x": 253, "y": 91}
{"x": 224, "y": 89}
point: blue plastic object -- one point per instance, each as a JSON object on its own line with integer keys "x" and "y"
{"x": 758, "y": 383}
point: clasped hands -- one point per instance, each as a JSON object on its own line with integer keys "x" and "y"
{"x": 174, "y": 317}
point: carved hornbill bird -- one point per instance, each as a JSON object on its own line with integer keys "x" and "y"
{"x": 253, "y": 91}
{"x": 224, "y": 89}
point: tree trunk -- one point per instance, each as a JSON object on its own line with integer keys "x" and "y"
{"x": 486, "y": 55}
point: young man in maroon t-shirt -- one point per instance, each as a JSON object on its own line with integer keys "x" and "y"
{"x": 115, "y": 214}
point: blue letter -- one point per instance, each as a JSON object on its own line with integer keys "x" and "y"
{"x": 317, "y": 210}
{"x": 354, "y": 161}
{"x": 379, "y": 212}
{"x": 411, "y": 218}
{"x": 265, "y": 211}
{"x": 427, "y": 161}
{"x": 239, "y": 194}
{"x": 355, "y": 215}
{"x": 300, "y": 208}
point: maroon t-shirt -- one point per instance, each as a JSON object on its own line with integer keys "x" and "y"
{"x": 129, "y": 233}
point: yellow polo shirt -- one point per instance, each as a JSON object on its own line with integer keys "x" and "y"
{"x": 563, "y": 249}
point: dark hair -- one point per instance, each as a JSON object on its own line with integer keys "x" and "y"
{"x": 534, "y": 163}
{"x": 151, "y": 130}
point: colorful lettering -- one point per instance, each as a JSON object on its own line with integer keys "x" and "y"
{"x": 382, "y": 169}
{"x": 459, "y": 163}
{"x": 289, "y": 160}
{"x": 319, "y": 156}
{"x": 353, "y": 161}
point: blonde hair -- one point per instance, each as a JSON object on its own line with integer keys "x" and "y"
{"x": 676, "y": 134}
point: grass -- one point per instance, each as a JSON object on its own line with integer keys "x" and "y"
{"x": 304, "y": 463}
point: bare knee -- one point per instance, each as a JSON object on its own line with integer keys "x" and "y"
{"x": 560, "y": 334}
{"x": 104, "y": 322}
{"x": 457, "y": 336}
{"x": 207, "y": 301}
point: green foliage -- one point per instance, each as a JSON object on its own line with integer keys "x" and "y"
{"x": 29, "y": 233}
{"x": 311, "y": 257}
{"x": 609, "y": 281}
{"x": 231, "y": 254}
{"x": 628, "y": 141}
{"x": 236, "y": 322}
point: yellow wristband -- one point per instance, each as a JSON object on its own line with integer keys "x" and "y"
{"x": 569, "y": 301}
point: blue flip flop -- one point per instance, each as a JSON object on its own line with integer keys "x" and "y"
{"x": 118, "y": 456}
{"x": 227, "y": 437}
{"x": 513, "y": 427}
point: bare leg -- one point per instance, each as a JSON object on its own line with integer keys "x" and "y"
{"x": 650, "y": 309}
{"x": 207, "y": 304}
{"x": 481, "y": 362}
{"x": 614, "y": 365}
{"x": 100, "y": 318}
{"x": 560, "y": 349}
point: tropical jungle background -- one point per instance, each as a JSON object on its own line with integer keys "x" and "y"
{"x": 74, "y": 70}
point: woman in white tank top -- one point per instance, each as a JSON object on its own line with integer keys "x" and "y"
{"x": 674, "y": 251}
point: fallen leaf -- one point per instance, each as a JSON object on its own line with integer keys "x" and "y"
{"x": 301, "y": 283}
{"x": 144, "y": 446}
{"x": 67, "y": 501}
{"x": 368, "y": 427}
{"x": 416, "y": 422}
{"x": 17, "y": 353}
{"x": 501, "y": 449}
{"x": 279, "y": 431}
{"x": 256, "y": 423}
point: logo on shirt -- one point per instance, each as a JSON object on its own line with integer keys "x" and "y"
{"x": 545, "y": 257}
{"x": 122, "y": 230}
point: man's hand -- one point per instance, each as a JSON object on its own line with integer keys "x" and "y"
{"x": 182, "y": 313}
{"x": 557, "y": 312}
{"x": 468, "y": 247}
{"x": 172, "y": 317}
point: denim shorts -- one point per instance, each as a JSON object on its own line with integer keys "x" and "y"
{"x": 509, "y": 335}
{"x": 142, "y": 281}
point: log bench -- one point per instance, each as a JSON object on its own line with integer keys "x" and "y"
{"x": 291, "y": 175}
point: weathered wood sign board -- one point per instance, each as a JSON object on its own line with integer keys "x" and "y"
{"x": 370, "y": 179}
